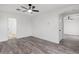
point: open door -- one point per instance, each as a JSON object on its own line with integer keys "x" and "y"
{"x": 11, "y": 28}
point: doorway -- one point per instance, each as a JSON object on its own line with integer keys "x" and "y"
{"x": 70, "y": 34}
{"x": 11, "y": 28}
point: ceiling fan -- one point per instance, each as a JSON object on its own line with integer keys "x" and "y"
{"x": 30, "y": 9}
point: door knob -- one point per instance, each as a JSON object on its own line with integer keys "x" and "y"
{"x": 59, "y": 30}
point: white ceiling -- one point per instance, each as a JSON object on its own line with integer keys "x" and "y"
{"x": 41, "y": 7}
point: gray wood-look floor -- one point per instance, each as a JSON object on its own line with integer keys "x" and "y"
{"x": 32, "y": 45}
{"x": 71, "y": 41}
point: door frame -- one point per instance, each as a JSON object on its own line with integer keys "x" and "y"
{"x": 14, "y": 36}
{"x": 61, "y": 22}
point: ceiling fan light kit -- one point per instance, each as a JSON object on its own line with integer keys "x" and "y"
{"x": 30, "y": 9}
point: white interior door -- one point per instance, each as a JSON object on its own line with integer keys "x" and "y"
{"x": 11, "y": 28}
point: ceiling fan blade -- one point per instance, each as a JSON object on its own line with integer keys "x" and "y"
{"x": 33, "y": 7}
{"x": 23, "y": 7}
{"x": 35, "y": 10}
{"x": 18, "y": 9}
{"x": 24, "y": 11}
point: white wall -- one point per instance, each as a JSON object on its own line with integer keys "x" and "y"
{"x": 3, "y": 28}
{"x": 71, "y": 26}
{"x": 23, "y": 25}
{"x": 45, "y": 26}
